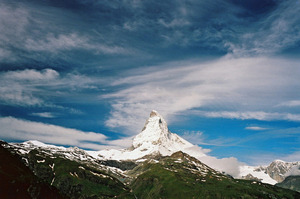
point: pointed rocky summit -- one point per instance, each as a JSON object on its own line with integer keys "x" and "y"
{"x": 154, "y": 139}
{"x": 155, "y": 131}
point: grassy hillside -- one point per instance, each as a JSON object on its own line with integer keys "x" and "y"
{"x": 177, "y": 176}
{"x": 18, "y": 181}
{"x": 75, "y": 179}
{"x": 181, "y": 176}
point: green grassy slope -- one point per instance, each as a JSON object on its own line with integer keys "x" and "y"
{"x": 18, "y": 181}
{"x": 75, "y": 179}
{"x": 178, "y": 176}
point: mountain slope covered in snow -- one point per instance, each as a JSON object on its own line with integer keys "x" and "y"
{"x": 154, "y": 139}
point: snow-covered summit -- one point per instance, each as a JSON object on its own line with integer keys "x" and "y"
{"x": 156, "y": 135}
{"x": 155, "y": 131}
{"x": 155, "y": 138}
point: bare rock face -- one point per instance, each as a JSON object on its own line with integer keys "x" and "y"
{"x": 251, "y": 177}
{"x": 278, "y": 169}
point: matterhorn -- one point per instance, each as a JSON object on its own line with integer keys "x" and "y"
{"x": 154, "y": 139}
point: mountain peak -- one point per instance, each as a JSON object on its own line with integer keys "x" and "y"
{"x": 155, "y": 131}
{"x": 154, "y": 113}
{"x": 155, "y": 138}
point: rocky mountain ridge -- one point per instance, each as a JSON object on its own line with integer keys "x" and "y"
{"x": 76, "y": 174}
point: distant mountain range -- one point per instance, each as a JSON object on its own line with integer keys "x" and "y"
{"x": 160, "y": 164}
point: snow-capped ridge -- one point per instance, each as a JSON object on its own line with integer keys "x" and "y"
{"x": 273, "y": 173}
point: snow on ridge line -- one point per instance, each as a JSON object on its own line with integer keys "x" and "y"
{"x": 37, "y": 143}
{"x": 265, "y": 178}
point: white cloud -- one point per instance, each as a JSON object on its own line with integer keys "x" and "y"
{"x": 13, "y": 22}
{"x": 259, "y": 115}
{"x": 12, "y": 128}
{"x": 23, "y": 130}
{"x": 294, "y": 171}
{"x": 44, "y": 114}
{"x": 199, "y": 138}
{"x": 55, "y": 43}
{"x": 255, "y": 128}
{"x": 246, "y": 88}
{"x": 228, "y": 165}
{"x": 293, "y": 157}
{"x": 195, "y": 137}
{"x": 265, "y": 158}
{"x": 122, "y": 143}
{"x": 275, "y": 32}
{"x": 31, "y": 75}
{"x": 29, "y": 87}
{"x": 18, "y": 87}
{"x": 292, "y": 103}
{"x": 71, "y": 41}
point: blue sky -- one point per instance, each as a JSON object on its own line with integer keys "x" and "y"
{"x": 224, "y": 74}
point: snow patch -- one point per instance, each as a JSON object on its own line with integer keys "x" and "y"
{"x": 265, "y": 178}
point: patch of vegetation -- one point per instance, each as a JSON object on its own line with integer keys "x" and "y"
{"x": 18, "y": 181}
{"x": 76, "y": 180}
{"x": 176, "y": 176}
{"x": 172, "y": 179}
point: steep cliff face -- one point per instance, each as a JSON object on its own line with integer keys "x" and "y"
{"x": 278, "y": 169}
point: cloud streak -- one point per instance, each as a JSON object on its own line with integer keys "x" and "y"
{"x": 22, "y": 130}
{"x": 226, "y": 88}
{"x": 255, "y": 128}
{"x": 12, "y": 128}
{"x": 264, "y": 116}
{"x": 32, "y": 87}
{"x": 44, "y": 114}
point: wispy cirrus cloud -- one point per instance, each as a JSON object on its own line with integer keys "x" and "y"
{"x": 293, "y": 157}
{"x": 256, "y": 128}
{"x": 34, "y": 31}
{"x": 55, "y": 30}
{"x": 276, "y": 31}
{"x": 44, "y": 114}
{"x": 226, "y": 88}
{"x": 31, "y": 87}
{"x": 292, "y": 103}
{"x": 259, "y": 115}
{"x": 200, "y": 138}
{"x": 265, "y": 158}
{"x": 72, "y": 41}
